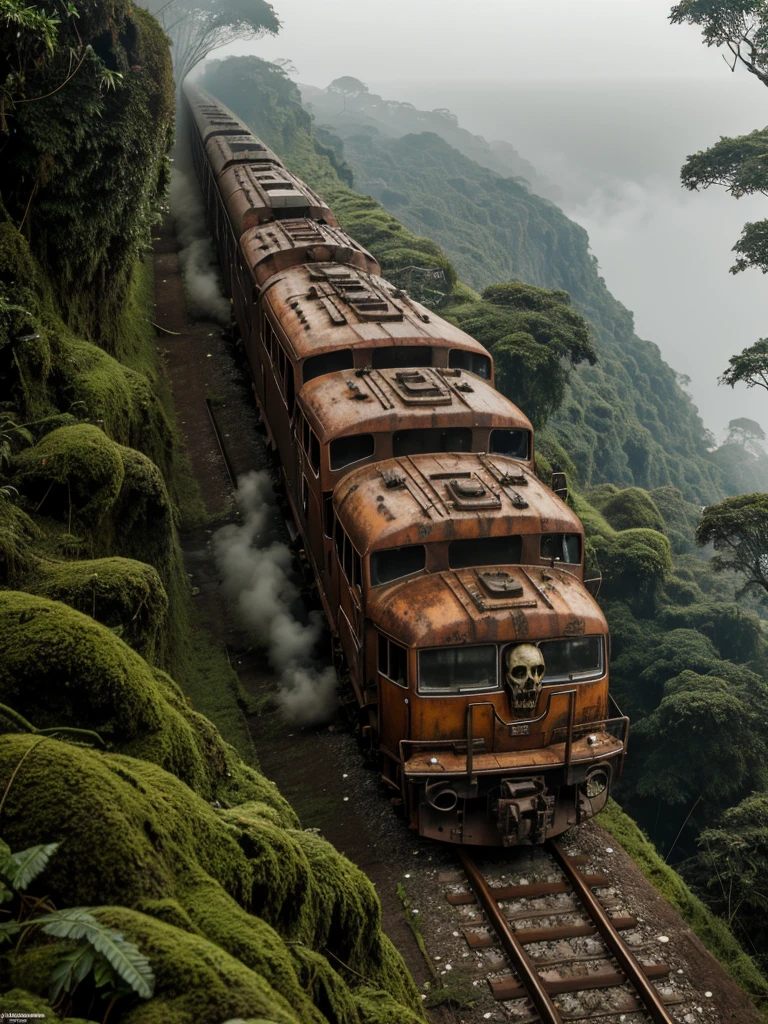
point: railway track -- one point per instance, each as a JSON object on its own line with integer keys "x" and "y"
{"x": 564, "y": 946}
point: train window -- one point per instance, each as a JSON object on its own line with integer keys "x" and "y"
{"x": 328, "y": 362}
{"x": 346, "y": 450}
{"x": 475, "y": 362}
{"x": 514, "y": 443}
{"x": 395, "y": 563}
{"x": 328, "y": 515}
{"x": 351, "y": 563}
{"x": 563, "y": 547}
{"x": 393, "y": 661}
{"x": 422, "y": 442}
{"x": 289, "y": 388}
{"x": 449, "y": 670}
{"x": 575, "y": 658}
{"x": 304, "y": 496}
{"x": 398, "y": 356}
{"x": 314, "y": 451}
{"x": 464, "y": 554}
{"x": 268, "y": 334}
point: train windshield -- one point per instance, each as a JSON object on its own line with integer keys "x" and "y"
{"x": 466, "y": 554}
{"x": 475, "y": 362}
{"x": 563, "y": 547}
{"x": 449, "y": 670}
{"x": 427, "y": 440}
{"x": 394, "y": 563}
{"x": 513, "y": 443}
{"x": 576, "y": 658}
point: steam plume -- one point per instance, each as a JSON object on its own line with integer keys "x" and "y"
{"x": 256, "y": 573}
{"x": 197, "y": 256}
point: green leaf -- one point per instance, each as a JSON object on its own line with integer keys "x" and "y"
{"x": 70, "y": 970}
{"x": 127, "y": 961}
{"x": 30, "y": 863}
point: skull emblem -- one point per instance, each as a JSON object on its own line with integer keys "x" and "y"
{"x": 524, "y": 675}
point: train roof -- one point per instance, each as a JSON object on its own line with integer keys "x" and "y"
{"x": 254, "y": 193}
{"x": 491, "y": 605}
{"x": 280, "y": 244}
{"x": 323, "y": 307}
{"x": 225, "y": 150}
{"x": 441, "y": 497}
{"x": 211, "y": 116}
{"x": 359, "y": 401}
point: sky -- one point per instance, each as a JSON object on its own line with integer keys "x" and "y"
{"x": 487, "y": 39}
{"x": 606, "y": 98}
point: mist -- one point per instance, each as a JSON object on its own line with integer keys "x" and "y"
{"x": 257, "y": 576}
{"x": 197, "y": 257}
{"x": 614, "y": 152}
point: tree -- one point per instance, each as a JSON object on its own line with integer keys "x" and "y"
{"x": 750, "y": 367}
{"x": 348, "y": 86}
{"x": 738, "y": 528}
{"x": 747, "y": 434}
{"x": 739, "y": 26}
{"x": 197, "y": 27}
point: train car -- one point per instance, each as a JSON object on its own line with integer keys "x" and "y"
{"x": 321, "y": 318}
{"x": 345, "y": 421}
{"x": 425, "y": 514}
{"x": 487, "y": 693}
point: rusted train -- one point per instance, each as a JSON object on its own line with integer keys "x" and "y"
{"x": 452, "y": 578}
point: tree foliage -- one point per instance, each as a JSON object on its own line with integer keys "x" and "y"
{"x": 738, "y": 528}
{"x": 738, "y": 26}
{"x": 197, "y": 27}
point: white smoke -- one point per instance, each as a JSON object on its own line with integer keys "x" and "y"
{"x": 197, "y": 256}
{"x": 256, "y": 574}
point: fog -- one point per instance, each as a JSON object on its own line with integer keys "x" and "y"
{"x": 606, "y": 99}
{"x": 257, "y": 576}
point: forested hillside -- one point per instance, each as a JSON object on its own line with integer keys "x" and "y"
{"x": 688, "y": 660}
{"x": 625, "y": 420}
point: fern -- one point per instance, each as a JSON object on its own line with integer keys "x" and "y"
{"x": 125, "y": 959}
{"x": 28, "y": 864}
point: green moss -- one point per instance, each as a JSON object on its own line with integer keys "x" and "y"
{"x": 60, "y": 668}
{"x": 712, "y": 931}
{"x": 16, "y": 534}
{"x": 152, "y": 844}
{"x": 76, "y": 471}
{"x": 121, "y": 593}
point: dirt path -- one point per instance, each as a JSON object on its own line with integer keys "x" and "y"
{"x": 321, "y": 770}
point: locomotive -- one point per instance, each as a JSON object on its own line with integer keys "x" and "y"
{"x": 451, "y": 576}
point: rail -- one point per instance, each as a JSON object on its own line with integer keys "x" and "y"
{"x": 538, "y": 988}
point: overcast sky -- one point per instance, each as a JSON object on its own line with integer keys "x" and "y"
{"x": 486, "y": 39}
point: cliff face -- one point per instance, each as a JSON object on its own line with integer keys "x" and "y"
{"x": 167, "y": 832}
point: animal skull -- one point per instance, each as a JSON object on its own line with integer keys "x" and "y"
{"x": 524, "y": 675}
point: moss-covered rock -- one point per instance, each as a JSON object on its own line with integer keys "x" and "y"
{"x": 199, "y": 883}
{"x": 60, "y": 668}
{"x": 632, "y": 508}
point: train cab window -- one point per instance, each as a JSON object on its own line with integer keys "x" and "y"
{"x": 351, "y": 563}
{"x": 465, "y": 554}
{"x": 577, "y": 659}
{"x": 453, "y": 670}
{"x": 396, "y": 563}
{"x": 513, "y": 443}
{"x": 328, "y": 362}
{"x": 304, "y": 496}
{"x": 346, "y": 450}
{"x": 268, "y": 334}
{"x": 562, "y": 547}
{"x": 475, "y": 362}
{"x": 310, "y": 444}
{"x": 431, "y": 439}
{"x": 399, "y": 356}
{"x": 393, "y": 661}
{"x": 328, "y": 514}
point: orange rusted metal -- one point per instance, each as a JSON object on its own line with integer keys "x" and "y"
{"x": 274, "y": 247}
{"x": 414, "y": 500}
{"x": 254, "y": 193}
